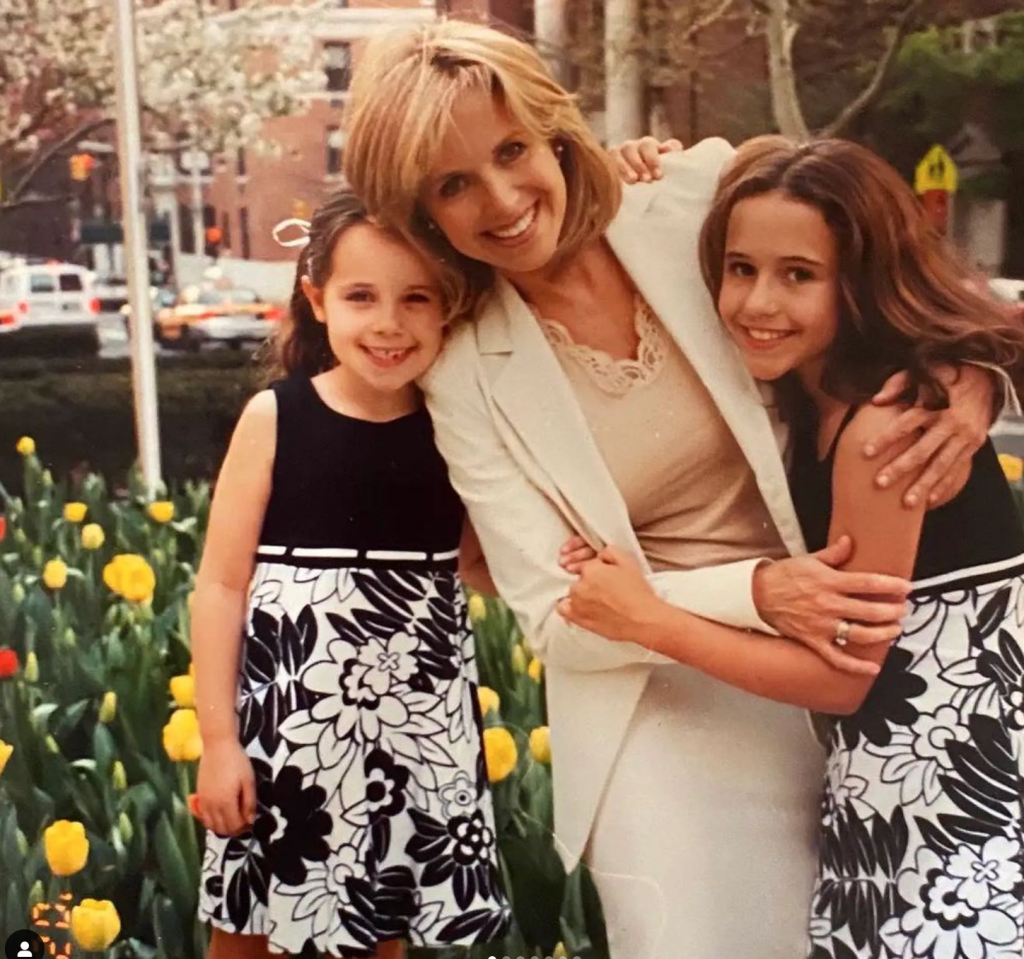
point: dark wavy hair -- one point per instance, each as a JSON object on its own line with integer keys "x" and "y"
{"x": 906, "y": 302}
{"x": 301, "y": 344}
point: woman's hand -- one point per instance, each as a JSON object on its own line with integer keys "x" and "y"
{"x": 948, "y": 438}
{"x": 611, "y": 598}
{"x": 226, "y": 788}
{"x": 574, "y": 553}
{"x": 807, "y": 597}
{"x": 641, "y": 159}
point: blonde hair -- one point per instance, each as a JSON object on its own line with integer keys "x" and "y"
{"x": 400, "y": 108}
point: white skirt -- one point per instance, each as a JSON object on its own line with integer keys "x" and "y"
{"x": 704, "y": 846}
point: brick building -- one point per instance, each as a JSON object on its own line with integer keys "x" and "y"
{"x": 246, "y": 195}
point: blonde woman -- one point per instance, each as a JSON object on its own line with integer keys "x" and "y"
{"x": 594, "y": 390}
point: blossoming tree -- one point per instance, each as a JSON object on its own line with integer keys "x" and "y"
{"x": 206, "y": 76}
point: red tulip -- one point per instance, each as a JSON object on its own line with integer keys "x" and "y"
{"x": 8, "y": 663}
{"x": 3, "y": 528}
{"x": 193, "y": 804}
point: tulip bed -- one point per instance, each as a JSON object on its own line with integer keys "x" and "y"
{"x": 99, "y": 847}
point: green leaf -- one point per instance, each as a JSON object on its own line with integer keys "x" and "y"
{"x": 173, "y": 872}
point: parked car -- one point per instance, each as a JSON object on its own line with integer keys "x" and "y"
{"x": 210, "y": 314}
{"x": 1009, "y": 291}
{"x": 112, "y": 292}
{"x": 53, "y": 308}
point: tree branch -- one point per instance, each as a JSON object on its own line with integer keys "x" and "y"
{"x": 50, "y": 151}
{"x": 702, "y": 23}
{"x": 34, "y": 201}
{"x": 870, "y": 93}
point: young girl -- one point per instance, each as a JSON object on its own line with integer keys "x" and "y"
{"x": 828, "y": 279}
{"x": 342, "y": 777}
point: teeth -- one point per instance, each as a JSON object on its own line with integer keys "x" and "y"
{"x": 764, "y": 335}
{"x": 520, "y": 226}
{"x": 387, "y": 354}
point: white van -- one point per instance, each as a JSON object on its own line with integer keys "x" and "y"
{"x": 48, "y": 302}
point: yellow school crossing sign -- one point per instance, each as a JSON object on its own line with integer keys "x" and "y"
{"x": 936, "y": 171}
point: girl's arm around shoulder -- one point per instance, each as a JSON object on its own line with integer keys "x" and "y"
{"x": 885, "y": 532}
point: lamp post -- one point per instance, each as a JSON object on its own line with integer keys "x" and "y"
{"x": 129, "y": 151}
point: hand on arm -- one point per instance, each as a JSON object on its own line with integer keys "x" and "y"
{"x": 944, "y": 441}
{"x": 226, "y": 785}
{"x": 613, "y": 598}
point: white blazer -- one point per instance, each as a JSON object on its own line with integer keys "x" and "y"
{"x": 521, "y": 456}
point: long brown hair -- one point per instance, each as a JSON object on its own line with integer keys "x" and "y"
{"x": 301, "y": 345}
{"x": 906, "y": 303}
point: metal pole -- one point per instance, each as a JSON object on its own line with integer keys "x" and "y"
{"x": 129, "y": 151}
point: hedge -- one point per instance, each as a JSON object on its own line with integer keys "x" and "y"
{"x": 80, "y": 412}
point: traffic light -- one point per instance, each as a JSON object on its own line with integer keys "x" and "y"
{"x": 82, "y": 165}
{"x": 213, "y": 236}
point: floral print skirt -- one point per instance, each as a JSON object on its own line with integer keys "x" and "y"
{"x": 357, "y": 706}
{"x": 921, "y": 840}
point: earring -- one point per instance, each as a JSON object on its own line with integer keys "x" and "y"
{"x": 432, "y": 226}
{"x": 559, "y": 149}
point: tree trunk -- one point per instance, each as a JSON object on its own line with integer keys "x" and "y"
{"x": 549, "y": 27}
{"x": 781, "y": 30}
{"x": 623, "y": 84}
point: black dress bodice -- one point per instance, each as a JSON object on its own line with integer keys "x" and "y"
{"x": 343, "y": 482}
{"x": 980, "y": 525}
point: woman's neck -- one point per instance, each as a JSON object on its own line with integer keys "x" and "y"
{"x": 830, "y": 410}
{"x": 564, "y": 285}
{"x": 352, "y": 396}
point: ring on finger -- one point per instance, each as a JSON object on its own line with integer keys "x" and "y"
{"x": 842, "y": 636}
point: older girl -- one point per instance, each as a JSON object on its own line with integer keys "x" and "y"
{"x": 827, "y": 278}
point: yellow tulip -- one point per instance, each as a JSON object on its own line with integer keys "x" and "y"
{"x": 130, "y": 576}
{"x": 1013, "y": 467}
{"x": 118, "y": 777}
{"x": 535, "y": 670}
{"x": 66, "y": 847}
{"x": 489, "y": 700}
{"x": 108, "y": 708}
{"x": 161, "y": 511}
{"x": 51, "y": 744}
{"x": 26, "y": 446}
{"x": 95, "y": 924}
{"x": 477, "y": 608}
{"x": 32, "y": 668}
{"x": 540, "y": 744}
{"x": 92, "y": 536}
{"x": 500, "y": 752}
{"x": 75, "y": 512}
{"x": 55, "y": 574}
{"x": 181, "y": 736}
{"x": 183, "y": 689}
{"x": 6, "y": 750}
{"x": 559, "y": 952}
{"x": 518, "y": 659}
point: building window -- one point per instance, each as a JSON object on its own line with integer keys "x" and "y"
{"x": 335, "y": 144}
{"x": 243, "y": 228}
{"x": 337, "y": 65}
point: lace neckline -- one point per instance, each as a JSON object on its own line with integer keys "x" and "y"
{"x": 612, "y": 375}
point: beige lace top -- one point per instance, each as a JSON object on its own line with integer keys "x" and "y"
{"x": 691, "y": 495}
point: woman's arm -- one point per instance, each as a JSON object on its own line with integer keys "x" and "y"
{"x": 219, "y": 601}
{"x": 613, "y": 597}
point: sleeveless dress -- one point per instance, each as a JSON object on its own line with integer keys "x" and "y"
{"x": 357, "y": 703}
{"x": 921, "y": 826}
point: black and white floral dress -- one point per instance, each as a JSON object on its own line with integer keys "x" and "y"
{"x": 357, "y": 703}
{"x": 921, "y": 834}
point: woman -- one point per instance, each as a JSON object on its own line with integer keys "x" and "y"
{"x": 596, "y": 392}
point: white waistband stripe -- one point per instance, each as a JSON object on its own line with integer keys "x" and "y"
{"x": 958, "y": 574}
{"x": 378, "y": 555}
{"x": 299, "y": 551}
